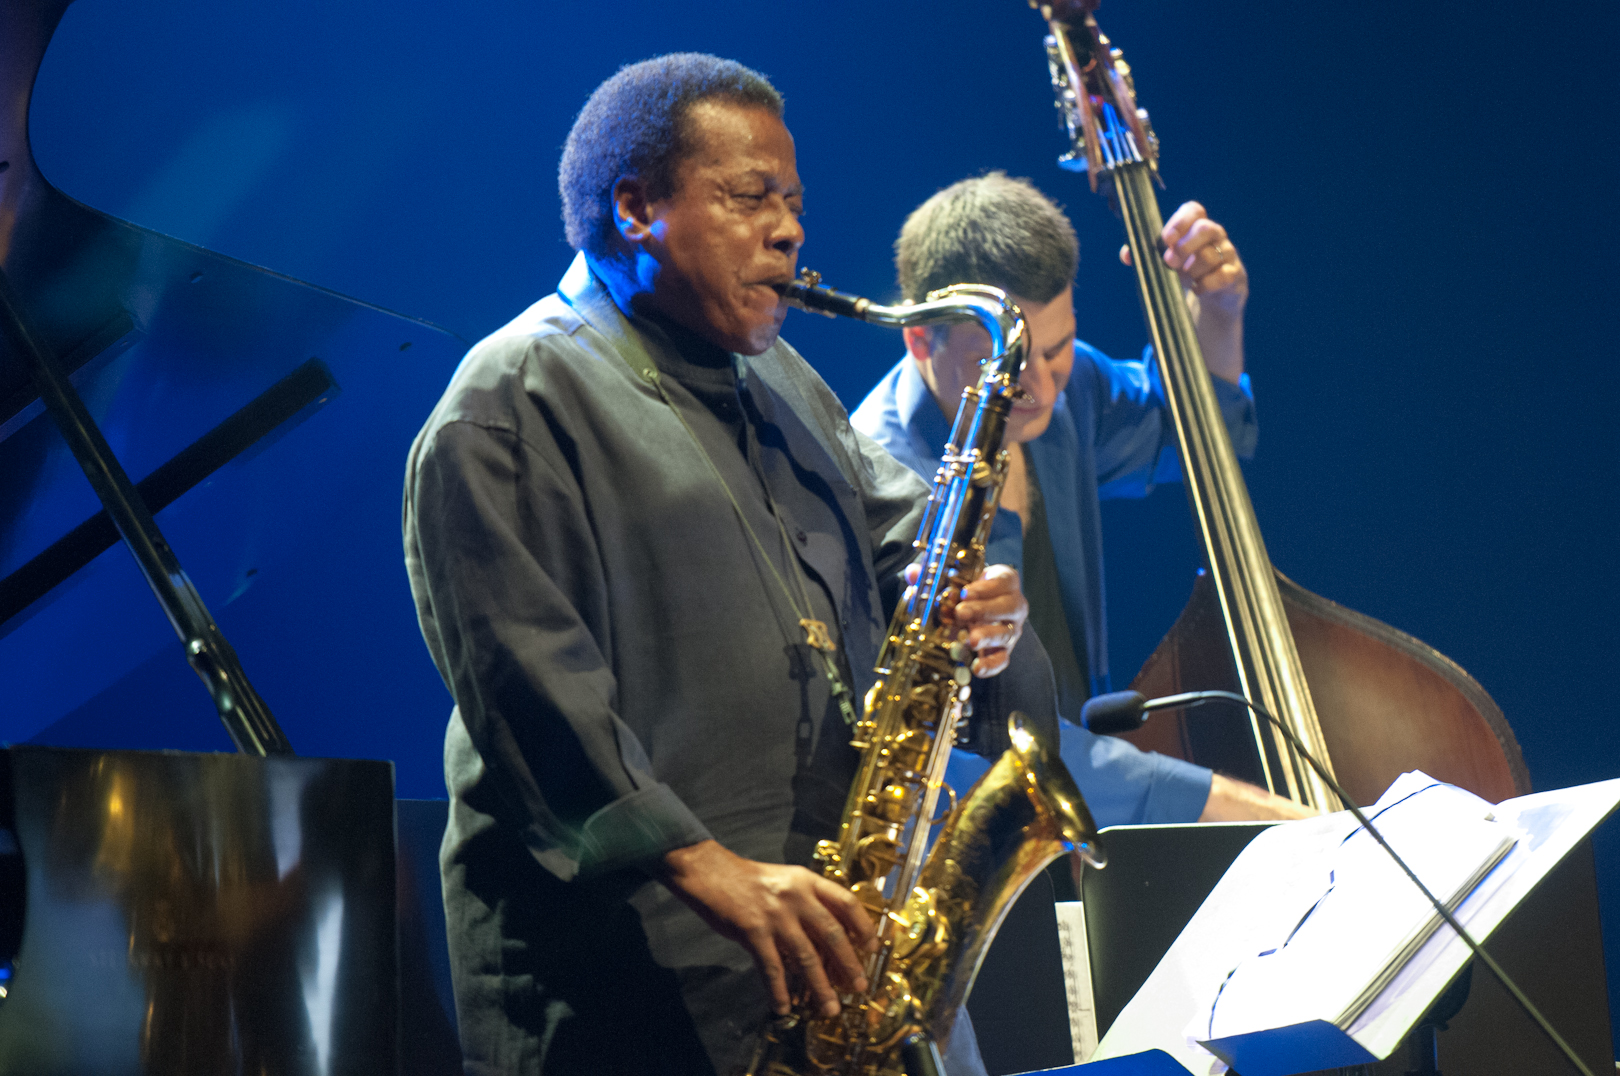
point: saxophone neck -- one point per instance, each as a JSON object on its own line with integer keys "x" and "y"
{"x": 991, "y": 307}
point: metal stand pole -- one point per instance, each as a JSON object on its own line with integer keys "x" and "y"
{"x": 246, "y": 717}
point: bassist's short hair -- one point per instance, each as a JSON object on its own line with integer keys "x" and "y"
{"x": 992, "y": 229}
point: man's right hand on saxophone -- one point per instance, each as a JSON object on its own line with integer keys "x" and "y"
{"x": 803, "y": 931}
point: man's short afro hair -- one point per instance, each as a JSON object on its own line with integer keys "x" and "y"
{"x": 635, "y": 124}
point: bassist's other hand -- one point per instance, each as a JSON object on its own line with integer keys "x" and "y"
{"x": 1238, "y": 801}
{"x": 993, "y": 610}
{"x": 1203, "y": 255}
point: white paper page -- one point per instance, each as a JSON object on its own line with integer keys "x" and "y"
{"x": 1361, "y": 915}
{"x": 1551, "y": 824}
{"x": 1233, "y": 918}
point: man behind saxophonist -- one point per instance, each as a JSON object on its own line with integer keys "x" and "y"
{"x": 1091, "y": 427}
{"x": 630, "y": 523}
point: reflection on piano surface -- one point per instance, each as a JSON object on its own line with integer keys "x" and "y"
{"x": 201, "y": 914}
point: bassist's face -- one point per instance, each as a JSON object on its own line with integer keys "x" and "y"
{"x": 950, "y": 362}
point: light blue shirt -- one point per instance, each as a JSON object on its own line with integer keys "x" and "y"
{"x": 1108, "y": 438}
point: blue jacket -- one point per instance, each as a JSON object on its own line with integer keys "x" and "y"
{"x": 1108, "y": 438}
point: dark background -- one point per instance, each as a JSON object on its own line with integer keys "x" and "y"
{"x": 1424, "y": 194}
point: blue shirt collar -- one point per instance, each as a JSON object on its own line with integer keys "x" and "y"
{"x": 919, "y": 412}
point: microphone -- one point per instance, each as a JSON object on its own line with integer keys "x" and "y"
{"x": 1126, "y": 711}
{"x": 1117, "y": 711}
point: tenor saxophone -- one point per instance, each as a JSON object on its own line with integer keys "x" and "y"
{"x": 936, "y": 910}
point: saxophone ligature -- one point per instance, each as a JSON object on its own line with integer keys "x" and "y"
{"x": 936, "y": 910}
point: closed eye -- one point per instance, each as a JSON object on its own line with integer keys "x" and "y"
{"x": 1058, "y": 349}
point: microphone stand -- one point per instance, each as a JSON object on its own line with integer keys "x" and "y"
{"x": 1197, "y": 698}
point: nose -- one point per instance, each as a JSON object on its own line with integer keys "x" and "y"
{"x": 786, "y": 234}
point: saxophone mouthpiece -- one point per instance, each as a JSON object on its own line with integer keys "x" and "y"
{"x": 807, "y": 293}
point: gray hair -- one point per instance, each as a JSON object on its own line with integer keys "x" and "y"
{"x": 993, "y": 230}
{"x": 636, "y": 124}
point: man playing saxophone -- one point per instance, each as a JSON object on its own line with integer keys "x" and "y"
{"x": 1090, "y": 428}
{"x": 654, "y": 563}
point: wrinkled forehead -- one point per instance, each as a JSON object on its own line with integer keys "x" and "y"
{"x": 740, "y": 142}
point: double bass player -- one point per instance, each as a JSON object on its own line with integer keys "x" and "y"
{"x": 1092, "y": 427}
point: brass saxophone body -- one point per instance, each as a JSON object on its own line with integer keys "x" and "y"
{"x": 936, "y": 911}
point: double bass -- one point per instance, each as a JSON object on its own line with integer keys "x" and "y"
{"x": 1368, "y": 700}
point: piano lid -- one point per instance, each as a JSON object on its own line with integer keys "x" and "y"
{"x": 265, "y": 422}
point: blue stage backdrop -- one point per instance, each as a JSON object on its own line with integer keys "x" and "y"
{"x": 1424, "y": 194}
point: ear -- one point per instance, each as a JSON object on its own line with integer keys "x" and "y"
{"x": 632, "y": 215}
{"x": 919, "y": 342}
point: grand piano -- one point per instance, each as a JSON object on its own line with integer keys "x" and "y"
{"x": 241, "y": 434}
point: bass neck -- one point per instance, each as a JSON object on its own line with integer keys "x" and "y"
{"x": 1262, "y": 645}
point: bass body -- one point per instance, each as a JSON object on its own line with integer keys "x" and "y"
{"x": 1387, "y": 702}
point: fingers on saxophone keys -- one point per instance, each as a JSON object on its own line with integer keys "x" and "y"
{"x": 843, "y": 927}
{"x": 843, "y": 906}
{"x": 991, "y": 662}
{"x": 803, "y": 959}
{"x": 995, "y": 635}
{"x": 771, "y": 966}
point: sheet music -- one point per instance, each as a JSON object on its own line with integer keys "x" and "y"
{"x": 1354, "y": 918}
{"x": 1071, "y": 922}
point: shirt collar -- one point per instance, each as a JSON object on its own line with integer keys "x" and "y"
{"x": 582, "y": 288}
{"x": 918, "y": 410}
{"x": 634, "y": 338}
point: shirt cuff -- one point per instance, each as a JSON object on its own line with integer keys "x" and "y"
{"x": 1237, "y": 411}
{"x": 636, "y": 828}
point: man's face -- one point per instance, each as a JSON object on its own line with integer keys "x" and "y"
{"x": 953, "y": 364}
{"x": 731, "y": 229}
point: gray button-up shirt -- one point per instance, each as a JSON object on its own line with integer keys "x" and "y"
{"x": 627, "y": 673}
{"x": 595, "y": 608}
